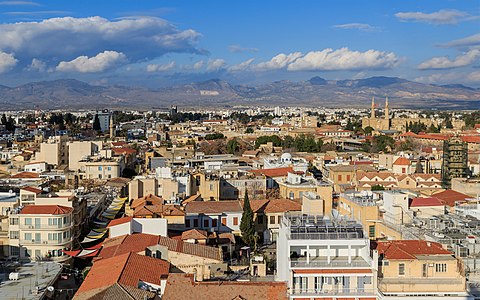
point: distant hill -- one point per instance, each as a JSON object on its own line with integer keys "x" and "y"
{"x": 70, "y": 93}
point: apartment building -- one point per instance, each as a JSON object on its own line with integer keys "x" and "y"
{"x": 413, "y": 269}
{"x": 321, "y": 258}
{"x": 218, "y": 216}
{"x": 39, "y": 232}
{"x": 54, "y": 151}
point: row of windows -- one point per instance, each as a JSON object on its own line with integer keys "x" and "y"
{"x": 100, "y": 168}
{"x": 206, "y": 222}
{"x": 439, "y": 268}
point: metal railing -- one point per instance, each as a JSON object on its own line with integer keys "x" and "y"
{"x": 45, "y": 242}
{"x": 45, "y": 226}
{"x": 333, "y": 292}
{"x": 312, "y": 263}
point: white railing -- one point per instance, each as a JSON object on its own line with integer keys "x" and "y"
{"x": 325, "y": 264}
{"x": 333, "y": 292}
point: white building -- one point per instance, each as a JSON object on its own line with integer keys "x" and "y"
{"x": 325, "y": 259}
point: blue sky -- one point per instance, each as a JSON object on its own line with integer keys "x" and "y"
{"x": 160, "y": 43}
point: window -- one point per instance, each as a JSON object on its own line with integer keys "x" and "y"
{"x": 440, "y": 268}
{"x": 401, "y": 269}
{"x": 371, "y": 231}
{"x": 14, "y": 221}
{"x": 235, "y": 220}
{"x": 109, "y": 168}
{"x": 28, "y": 221}
{"x": 339, "y": 178}
{"x": 28, "y": 236}
{"x": 206, "y": 223}
{"x": 99, "y": 168}
{"x": 187, "y": 223}
{"x": 425, "y": 270}
{"x": 14, "y": 235}
{"x": 348, "y": 177}
{"x": 291, "y": 195}
{"x": 386, "y": 263}
{"x": 195, "y": 222}
{"x": 211, "y": 186}
{"x": 272, "y": 219}
{"x": 404, "y": 170}
{"x": 300, "y": 195}
{"x": 279, "y": 219}
{"x": 214, "y": 223}
{"x": 259, "y": 219}
{"x": 224, "y": 221}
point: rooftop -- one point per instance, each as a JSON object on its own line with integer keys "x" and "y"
{"x": 320, "y": 228}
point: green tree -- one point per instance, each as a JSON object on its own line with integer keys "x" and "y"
{"x": 249, "y": 130}
{"x": 232, "y": 146}
{"x": 96, "y": 123}
{"x": 214, "y": 136}
{"x": 247, "y": 226}
{"x": 368, "y": 130}
{"x": 377, "y": 188}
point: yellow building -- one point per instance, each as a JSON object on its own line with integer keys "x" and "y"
{"x": 415, "y": 268}
{"x": 363, "y": 208}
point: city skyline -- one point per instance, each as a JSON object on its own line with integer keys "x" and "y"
{"x": 161, "y": 44}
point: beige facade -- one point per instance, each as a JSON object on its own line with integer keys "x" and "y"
{"x": 54, "y": 151}
{"x": 141, "y": 187}
{"x": 103, "y": 169}
{"x": 78, "y": 151}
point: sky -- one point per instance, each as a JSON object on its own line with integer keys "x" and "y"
{"x": 161, "y": 43}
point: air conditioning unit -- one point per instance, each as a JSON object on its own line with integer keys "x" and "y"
{"x": 45, "y": 242}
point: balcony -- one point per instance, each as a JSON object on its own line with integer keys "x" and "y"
{"x": 354, "y": 292}
{"x": 335, "y": 262}
{"x": 45, "y": 226}
{"x": 422, "y": 284}
{"x": 43, "y": 242}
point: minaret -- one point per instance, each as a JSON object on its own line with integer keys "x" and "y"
{"x": 387, "y": 116}
{"x": 372, "y": 114}
{"x": 112, "y": 128}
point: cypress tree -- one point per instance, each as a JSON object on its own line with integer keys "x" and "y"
{"x": 96, "y": 123}
{"x": 247, "y": 226}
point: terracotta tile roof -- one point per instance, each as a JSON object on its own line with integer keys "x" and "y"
{"x": 449, "y": 197}
{"x": 26, "y": 175}
{"x": 120, "y": 221}
{"x": 126, "y": 269}
{"x": 409, "y": 249}
{"x": 402, "y": 161}
{"x": 430, "y": 201}
{"x": 149, "y": 199}
{"x": 471, "y": 139}
{"x": 32, "y": 189}
{"x": 46, "y": 210}
{"x": 158, "y": 210}
{"x": 275, "y": 172}
{"x": 191, "y": 198}
{"x": 195, "y": 234}
{"x": 182, "y": 286}
{"x": 138, "y": 242}
{"x": 119, "y": 291}
{"x": 126, "y": 151}
{"x": 275, "y": 206}
{"x": 213, "y": 207}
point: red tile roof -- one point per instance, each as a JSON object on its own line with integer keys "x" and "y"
{"x": 126, "y": 151}
{"x": 275, "y": 172}
{"x": 182, "y": 286}
{"x": 127, "y": 269}
{"x": 430, "y": 201}
{"x": 449, "y": 197}
{"x": 275, "y": 206}
{"x": 32, "y": 189}
{"x": 120, "y": 221}
{"x": 195, "y": 234}
{"x": 138, "y": 242}
{"x": 26, "y": 175}
{"x": 402, "y": 161}
{"x": 213, "y": 207}
{"x": 409, "y": 249}
{"x": 46, "y": 210}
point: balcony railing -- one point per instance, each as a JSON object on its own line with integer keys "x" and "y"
{"x": 334, "y": 263}
{"x": 45, "y": 226}
{"x": 333, "y": 292}
{"x": 45, "y": 242}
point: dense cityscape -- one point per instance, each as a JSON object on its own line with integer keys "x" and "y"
{"x": 255, "y": 203}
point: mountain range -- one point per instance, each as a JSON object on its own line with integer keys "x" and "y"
{"x": 315, "y": 92}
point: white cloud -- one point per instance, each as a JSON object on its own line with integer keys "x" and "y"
{"x": 198, "y": 65}
{"x": 444, "y": 16}
{"x": 444, "y": 62}
{"x": 473, "y": 40}
{"x": 359, "y": 26}
{"x": 37, "y": 65}
{"x": 15, "y": 3}
{"x": 58, "y": 39}
{"x": 161, "y": 67}
{"x": 238, "y": 49}
{"x": 451, "y": 77}
{"x": 279, "y": 62}
{"x": 7, "y": 61}
{"x": 99, "y": 63}
{"x": 344, "y": 59}
{"x": 242, "y": 66}
{"x": 216, "y": 64}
